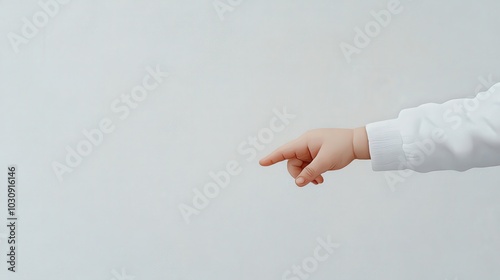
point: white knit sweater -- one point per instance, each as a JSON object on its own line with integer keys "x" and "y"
{"x": 456, "y": 135}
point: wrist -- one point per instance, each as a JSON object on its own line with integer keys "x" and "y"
{"x": 360, "y": 143}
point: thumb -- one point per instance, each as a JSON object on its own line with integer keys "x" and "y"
{"x": 313, "y": 170}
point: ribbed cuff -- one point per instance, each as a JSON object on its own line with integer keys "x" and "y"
{"x": 386, "y": 145}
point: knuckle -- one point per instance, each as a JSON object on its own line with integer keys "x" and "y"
{"x": 309, "y": 172}
{"x": 307, "y": 134}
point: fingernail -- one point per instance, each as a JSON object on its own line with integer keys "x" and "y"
{"x": 300, "y": 180}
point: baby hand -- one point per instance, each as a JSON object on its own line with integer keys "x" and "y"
{"x": 318, "y": 151}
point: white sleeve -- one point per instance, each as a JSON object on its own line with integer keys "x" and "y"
{"x": 456, "y": 135}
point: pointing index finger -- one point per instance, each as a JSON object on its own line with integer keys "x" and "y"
{"x": 284, "y": 152}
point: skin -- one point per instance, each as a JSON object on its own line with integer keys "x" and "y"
{"x": 318, "y": 151}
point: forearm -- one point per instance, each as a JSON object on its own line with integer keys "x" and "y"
{"x": 360, "y": 143}
{"x": 456, "y": 135}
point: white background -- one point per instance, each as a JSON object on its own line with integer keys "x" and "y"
{"x": 119, "y": 209}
